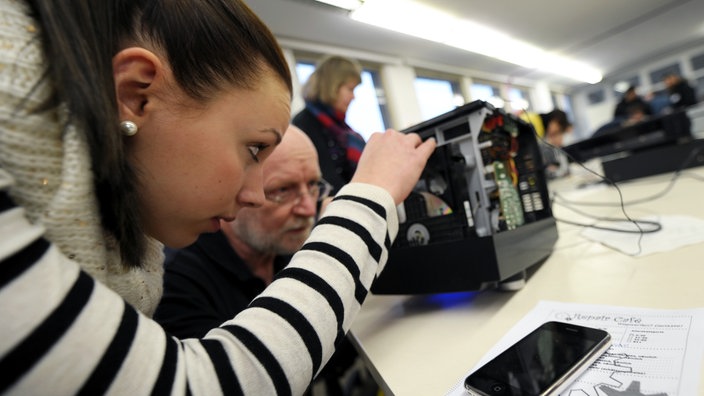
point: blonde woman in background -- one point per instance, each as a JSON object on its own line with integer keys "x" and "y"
{"x": 328, "y": 94}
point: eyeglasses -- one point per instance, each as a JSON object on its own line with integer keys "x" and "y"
{"x": 318, "y": 190}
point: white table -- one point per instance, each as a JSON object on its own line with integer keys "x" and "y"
{"x": 416, "y": 345}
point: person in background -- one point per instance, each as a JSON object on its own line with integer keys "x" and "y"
{"x": 214, "y": 279}
{"x": 681, "y": 94}
{"x": 632, "y": 109}
{"x": 124, "y": 126}
{"x": 551, "y": 128}
{"x": 632, "y": 106}
{"x": 328, "y": 94}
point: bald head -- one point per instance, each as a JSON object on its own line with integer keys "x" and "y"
{"x": 295, "y": 147}
{"x": 281, "y": 228}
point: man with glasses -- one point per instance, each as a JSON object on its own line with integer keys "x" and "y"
{"x": 212, "y": 280}
{"x": 216, "y": 277}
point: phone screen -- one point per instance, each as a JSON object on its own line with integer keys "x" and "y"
{"x": 538, "y": 361}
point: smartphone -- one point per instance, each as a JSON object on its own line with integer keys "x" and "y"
{"x": 545, "y": 362}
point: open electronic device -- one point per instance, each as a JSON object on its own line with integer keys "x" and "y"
{"x": 545, "y": 362}
{"x": 480, "y": 214}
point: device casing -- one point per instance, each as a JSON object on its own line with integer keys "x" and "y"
{"x": 480, "y": 214}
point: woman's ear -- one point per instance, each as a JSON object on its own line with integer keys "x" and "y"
{"x": 136, "y": 72}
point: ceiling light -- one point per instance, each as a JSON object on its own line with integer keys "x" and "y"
{"x": 621, "y": 86}
{"x": 428, "y": 23}
{"x": 346, "y": 4}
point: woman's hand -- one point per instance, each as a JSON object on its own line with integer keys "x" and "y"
{"x": 394, "y": 161}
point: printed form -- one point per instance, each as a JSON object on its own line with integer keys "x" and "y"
{"x": 654, "y": 352}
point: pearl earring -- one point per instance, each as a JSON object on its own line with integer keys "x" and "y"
{"x": 128, "y": 128}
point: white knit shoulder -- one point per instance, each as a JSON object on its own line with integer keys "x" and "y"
{"x": 49, "y": 161}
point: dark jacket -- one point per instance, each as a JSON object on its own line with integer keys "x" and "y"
{"x": 206, "y": 284}
{"x": 335, "y": 168}
{"x": 682, "y": 95}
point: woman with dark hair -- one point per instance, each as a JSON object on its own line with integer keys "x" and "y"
{"x": 328, "y": 94}
{"x": 125, "y": 126}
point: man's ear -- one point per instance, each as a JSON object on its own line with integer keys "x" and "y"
{"x": 135, "y": 71}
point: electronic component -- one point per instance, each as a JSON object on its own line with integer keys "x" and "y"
{"x": 480, "y": 212}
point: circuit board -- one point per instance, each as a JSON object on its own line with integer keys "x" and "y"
{"x": 508, "y": 197}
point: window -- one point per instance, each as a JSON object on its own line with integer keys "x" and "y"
{"x": 699, "y": 88}
{"x": 518, "y": 99}
{"x": 367, "y": 112}
{"x": 303, "y": 71}
{"x": 595, "y": 97}
{"x": 698, "y": 62}
{"x": 437, "y": 96}
{"x": 657, "y": 76}
{"x": 487, "y": 92}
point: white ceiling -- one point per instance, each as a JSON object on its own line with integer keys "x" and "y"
{"x": 611, "y": 35}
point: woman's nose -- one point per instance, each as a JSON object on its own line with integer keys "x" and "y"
{"x": 252, "y": 192}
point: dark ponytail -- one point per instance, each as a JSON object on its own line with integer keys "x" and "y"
{"x": 79, "y": 38}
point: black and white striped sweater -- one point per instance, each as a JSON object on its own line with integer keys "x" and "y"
{"x": 64, "y": 333}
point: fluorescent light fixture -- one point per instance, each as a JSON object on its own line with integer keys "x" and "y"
{"x": 412, "y": 18}
{"x": 346, "y": 4}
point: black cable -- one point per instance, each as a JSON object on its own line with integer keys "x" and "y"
{"x": 693, "y": 176}
{"x": 641, "y": 232}
{"x": 692, "y": 154}
{"x": 655, "y": 225}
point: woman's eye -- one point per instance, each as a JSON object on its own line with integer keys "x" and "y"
{"x": 255, "y": 149}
